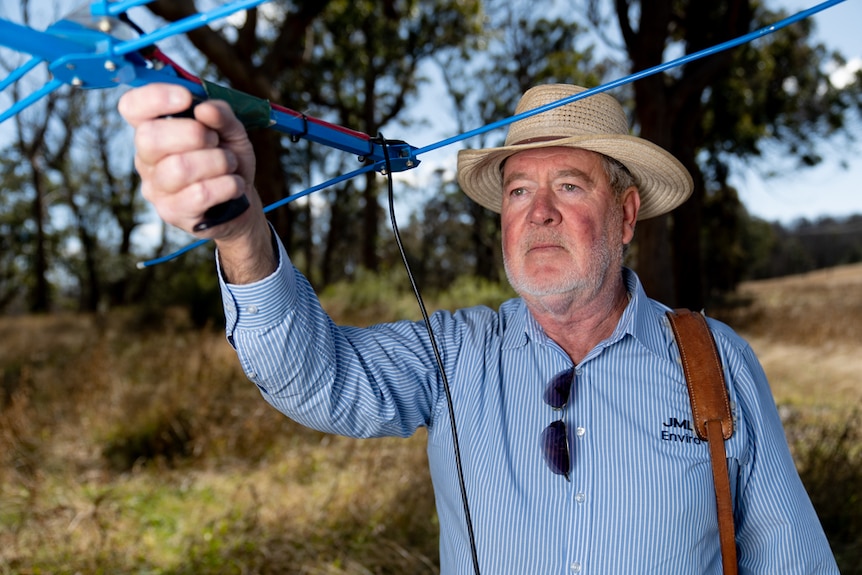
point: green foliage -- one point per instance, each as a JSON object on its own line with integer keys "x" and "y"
{"x": 190, "y": 283}
{"x": 724, "y": 255}
{"x": 450, "y": 237}
{"x": 469, "y": 291}
{"x": 777, "y": 93}
{"x": 373, "y": 298}
{"x": 197, "y": 289}
{"x": 775, "y": 250}
{"x": 370, "y": 298}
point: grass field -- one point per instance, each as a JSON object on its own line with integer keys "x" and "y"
{"x": 134, "y": 447}
{"x": 807, "y": 331}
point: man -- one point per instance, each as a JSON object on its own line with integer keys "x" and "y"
{"x": 572, "y": 409}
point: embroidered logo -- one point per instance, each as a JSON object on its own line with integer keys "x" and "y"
{"x": 679, "y": 430}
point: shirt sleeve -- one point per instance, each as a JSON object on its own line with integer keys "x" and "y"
{"x": 359, "y": 382}
{"x": 777, "y": 528}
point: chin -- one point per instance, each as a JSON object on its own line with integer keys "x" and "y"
{"x": 536, "y": 287}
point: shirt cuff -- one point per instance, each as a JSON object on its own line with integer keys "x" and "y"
{"x": 261, "y": 304}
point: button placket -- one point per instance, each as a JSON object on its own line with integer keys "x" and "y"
{"x": 582, "y": 472}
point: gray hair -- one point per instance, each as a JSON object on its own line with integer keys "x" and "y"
{"x": 619, "y": 177}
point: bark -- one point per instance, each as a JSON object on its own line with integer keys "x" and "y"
{"x": 669, "y": 113}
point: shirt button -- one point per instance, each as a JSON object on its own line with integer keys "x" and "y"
{"x": 252, "y": 309}
{"x": 576, "y": 567}
{"x": 580, "y": 497}
{"x": 580, "y": 431}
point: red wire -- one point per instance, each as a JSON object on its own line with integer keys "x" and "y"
{"x": 164, "y": 59}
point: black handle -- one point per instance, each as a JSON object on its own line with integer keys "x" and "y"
{"x": 221, "y": 213}
{"x": 225, "y": 211}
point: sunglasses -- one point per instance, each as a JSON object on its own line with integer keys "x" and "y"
{"x": 555, "y": 439}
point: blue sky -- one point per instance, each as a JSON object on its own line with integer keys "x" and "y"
{"x": 835, "y": 187}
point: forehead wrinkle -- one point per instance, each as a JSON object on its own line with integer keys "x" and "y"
{"x": 563, "y": 173}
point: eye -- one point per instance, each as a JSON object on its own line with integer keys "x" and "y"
{"x": 515, "y": 192}
{"x": 570, "y": 187}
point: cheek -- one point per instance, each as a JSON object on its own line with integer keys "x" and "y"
{"x": 506, "y": 235}
{"x": 511, "y": 237}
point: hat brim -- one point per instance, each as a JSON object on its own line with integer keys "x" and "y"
{"x": 663, "y": 182}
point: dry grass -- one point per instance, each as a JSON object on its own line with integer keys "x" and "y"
{"x": 123, "y": 454}
{"x": 138, "y": 448}
{"x": 807, "y": 332}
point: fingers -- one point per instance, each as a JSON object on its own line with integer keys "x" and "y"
{"x": 160, "y": 138}
{"x": 218, "y": 115}
{"x": 153, "y": 101}
{"x": 184, "y": 209}
{"x": 188, "y": 165}
{"x": 180, "y": 170}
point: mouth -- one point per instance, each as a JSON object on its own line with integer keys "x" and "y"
{"x": 544, "y": 247}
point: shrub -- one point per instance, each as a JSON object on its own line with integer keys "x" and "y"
{"x": 470, "y": 291}
{"x": 164, "y": 437}
{"x": 829, "y": 457}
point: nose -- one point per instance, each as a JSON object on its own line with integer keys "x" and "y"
{"x": 543, "y": 209}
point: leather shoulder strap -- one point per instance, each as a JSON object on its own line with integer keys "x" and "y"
{"x": 703, "y": 372}
{"x": 713, "y": 420}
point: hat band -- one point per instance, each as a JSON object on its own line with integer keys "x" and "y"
{"x": 534, "y": 140}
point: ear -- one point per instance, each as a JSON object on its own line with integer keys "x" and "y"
{"x": 631, "y": 204}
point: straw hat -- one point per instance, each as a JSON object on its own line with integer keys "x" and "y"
{"x": 595, "y": 123}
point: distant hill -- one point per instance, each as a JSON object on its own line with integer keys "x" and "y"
{"x": 807, "y": 332}
{"x": 803, "y": 246}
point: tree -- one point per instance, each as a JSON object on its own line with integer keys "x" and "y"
{"x": 722, "y": 107}
{"x": 29, "y": 164}
{"x": 70, "y": 203}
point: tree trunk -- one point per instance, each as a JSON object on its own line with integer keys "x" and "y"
{"x": 654, "y": 257}
{"x": 40, "y": 298}
{"x": 486, "y": 265}
{"x": 370, "y": 224}
{"x": 271, "y": 183}
{"x": 655, "y": 250}
{"x": 670, "y": 114}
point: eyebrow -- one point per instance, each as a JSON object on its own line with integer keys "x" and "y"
{"x": 570, "y": 172}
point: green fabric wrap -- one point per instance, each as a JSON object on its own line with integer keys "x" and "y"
{"x": 252, "y": 112}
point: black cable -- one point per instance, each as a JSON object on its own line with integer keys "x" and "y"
{"x": 433, "y": 339}
{"x": 124, "y": 17}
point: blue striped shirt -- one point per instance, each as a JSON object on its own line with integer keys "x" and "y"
{"x": 640, "y": 499}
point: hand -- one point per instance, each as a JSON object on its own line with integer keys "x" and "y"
{"x": 189, "y": 165}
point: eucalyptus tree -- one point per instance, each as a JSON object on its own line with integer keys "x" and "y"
{"x": 39, "y": 142}
{"x": 720, "y": 111}
{"x": 68, "y": 196}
